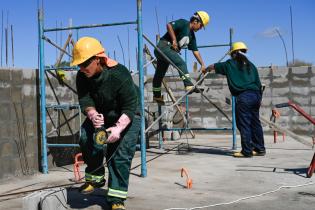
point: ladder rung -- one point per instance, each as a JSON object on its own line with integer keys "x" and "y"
{"x": 63, "y": 106}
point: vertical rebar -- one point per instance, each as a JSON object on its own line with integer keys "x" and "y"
{"x": 293, "y": 59}
{"x": 6, "y": 46}
{"x": 1, "y": 36}
{"x": 122, "y": 50}
{"x": 12, "y": 46}
{"x": 128, "y": 49}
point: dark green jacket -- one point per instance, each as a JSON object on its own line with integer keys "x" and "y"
{"x": 239, "y": 79}
{"x": 112, "y": 93}
{"x": 184, "y": 36}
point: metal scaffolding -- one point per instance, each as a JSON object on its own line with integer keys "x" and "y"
{"x": 42, "y": 73}
{"x": 140, "y": 53}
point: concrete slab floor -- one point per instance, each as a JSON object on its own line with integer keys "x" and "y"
{"x": 216, "y": 178}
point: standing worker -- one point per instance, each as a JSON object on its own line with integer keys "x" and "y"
{"x": 108, "y": 97}
{"x": 244, "y": 83}
{"x": 180, "y": 34}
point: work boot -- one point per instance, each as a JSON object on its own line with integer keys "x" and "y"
{"x": 159, "y": 100}
{"x": 258, "y": 153}
{"x": 192, "y": 89}
{"x": 89, "y": 187}
{"x": 118, "y": 206}
{"x": 240, "y": 155}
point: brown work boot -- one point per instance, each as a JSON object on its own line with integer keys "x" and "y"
{"x": 240, "y": 155}
{"x": 159, "y": 100}
{"x": 118, "y": 206}
{"x": 258, "y": 153}
{"x": 88, "y": 187}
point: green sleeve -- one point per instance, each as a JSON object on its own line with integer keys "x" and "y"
{"x": 220, "y": 68}
{"x": 126, "y": 94}
{"x": 85, "y": 100}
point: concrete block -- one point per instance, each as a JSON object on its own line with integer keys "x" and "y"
{"x": 277, "y": 100}
{"x": 266, "y": 101}
{"x": 280, "y": 91}
{"x": 46, "y": 199}
{"x": 16, "y": 77}
{"x": 7, "y": 148}
{"x": 5, "y": 76}
{"x": 299, "y": 81}
{"x": 302, "y": 70}
{"x": 209, "y": 122}
{"x": 278, "y": 71}
{"x": 280, "y": 82}
{"x": 304, "y": 91}
{"x": 302, "y": 101}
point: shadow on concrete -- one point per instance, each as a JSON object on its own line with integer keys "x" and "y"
{"x": 76, "y": 200}
{"x": 62, "y": 156}
{"x": 212, "y": 151}
{"x": 297, "y": 171}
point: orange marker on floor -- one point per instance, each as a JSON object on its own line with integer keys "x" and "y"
{"x": 188, "y": 180}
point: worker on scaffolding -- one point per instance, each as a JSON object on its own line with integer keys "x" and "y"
{"x": 244, "y": 83}
{"x": 108, "y": 97}
{"x": 180, "y": 34}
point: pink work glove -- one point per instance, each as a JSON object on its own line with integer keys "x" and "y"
{"x": 96, "y": 118}
{"x": 121, "y": 124}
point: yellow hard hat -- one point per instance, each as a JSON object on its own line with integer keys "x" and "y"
{"x": 238, "y": 46}
{"x": 85, "y": 48}
{"x": 204, "y": 17}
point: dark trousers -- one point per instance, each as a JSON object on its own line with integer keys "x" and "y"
{"x": 248, "y": 123}
{"x": 119, "y": 155}
{"x": 163, "y": 64}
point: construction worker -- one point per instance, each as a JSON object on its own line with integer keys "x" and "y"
{"x": 108, "y": 97}
{"x": 180, "y": 34}
{"x": 244, "y": 83}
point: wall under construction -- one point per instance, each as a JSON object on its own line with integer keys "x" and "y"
{"x": 19, "y": 115}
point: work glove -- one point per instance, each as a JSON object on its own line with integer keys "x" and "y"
{"x": 96, "y": 118}
{"x": 116, "y": 130}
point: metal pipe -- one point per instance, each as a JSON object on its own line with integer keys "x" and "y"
{"x": 89, "y": 26}
{"x": 141, "y": 86}
{"x": 195, "y": 129}
{"x": 234, "y": 128}
{"x": 42, "y": 90}
{"x": 234, "y": 123}
{"x": 63, "y": 145}
{"x": 55, "y": 45}
{"x": 214, "y": 45}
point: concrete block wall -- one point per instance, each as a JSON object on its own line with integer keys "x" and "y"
{"x": 18, "y": 122}
{"x": 20, "y": 145}
{"x": 20, "y": 116}
{"x": 282, "y": 84}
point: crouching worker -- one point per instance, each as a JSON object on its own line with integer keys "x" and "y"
{"x": 244, "y": 83}
{"x": 108, "y": 97}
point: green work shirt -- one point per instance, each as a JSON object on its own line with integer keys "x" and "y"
{"x": 184, "y": 36}
{"x": 112, "y": 93}
{"x": 239, "y": 79}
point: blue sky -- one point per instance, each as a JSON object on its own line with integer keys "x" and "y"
{"x": 253, "y": 21}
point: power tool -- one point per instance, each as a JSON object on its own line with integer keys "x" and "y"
{"x": 100, "y": 137}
